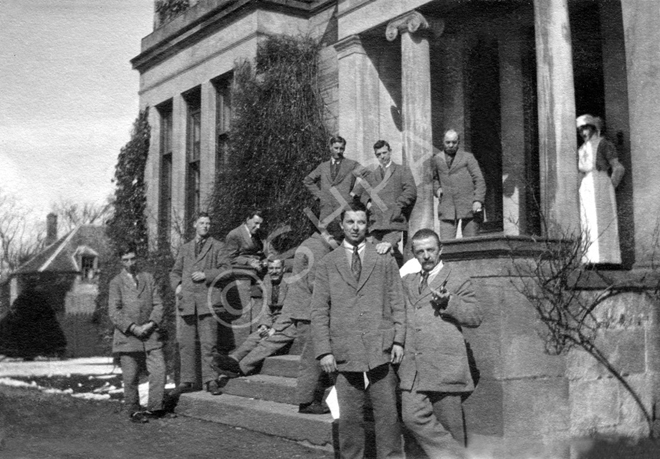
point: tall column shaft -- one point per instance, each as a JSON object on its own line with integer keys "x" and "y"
{"x": 556, "y": 106}
{"x": 208, "y": 141}
{"x": 416, "y": 110}
{"x": 358, "y": 99}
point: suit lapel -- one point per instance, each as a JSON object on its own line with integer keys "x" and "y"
{"x": 436, "y": 283}
{"x": 344, "y": 268}
{"x": 368, "y": 264}
{"x": 206, "y": 248}
{"x": 141, "y": 283}
{"x": 344, "y": 169}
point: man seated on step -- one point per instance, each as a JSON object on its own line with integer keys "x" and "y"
{"x": 292, "y": 323}
{"x": 275, "y": 289}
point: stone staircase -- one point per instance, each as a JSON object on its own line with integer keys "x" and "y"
{"x": 265, "y": 403}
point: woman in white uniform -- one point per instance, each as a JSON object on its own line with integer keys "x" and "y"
{"x": 600, "y": 173}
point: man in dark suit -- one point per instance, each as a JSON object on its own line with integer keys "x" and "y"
{"x": 358, "y": 329}
{"x": 332, "y": 181}
{"x": 136, "y": 311}
{"x": 243, "y": 245}
{"x": 459, "y": 185}
{"x": 197, "y": 265}
{"x": 390, "y": 195}
{"x": 435, "y": 373}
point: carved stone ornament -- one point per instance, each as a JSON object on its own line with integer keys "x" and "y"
{"x": 411, "y": 22}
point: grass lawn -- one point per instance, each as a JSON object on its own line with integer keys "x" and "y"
{"x": 35, "y": 425}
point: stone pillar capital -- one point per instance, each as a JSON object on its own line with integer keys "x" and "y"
{"x": 411, "y": 22}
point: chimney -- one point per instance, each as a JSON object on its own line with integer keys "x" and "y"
{"x": 51, "y": 228}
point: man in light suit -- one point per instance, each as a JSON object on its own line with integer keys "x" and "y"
{"x": 358, "y": 330}
{"x": 197, "y": 265}
{"x": 339, "y": 174}
{"x": 435, "y": 373}
{"x": 390, "y": 195}
{"x": 459, "y": 185}
{"x": 136, "y": 311}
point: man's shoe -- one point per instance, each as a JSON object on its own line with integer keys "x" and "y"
{"x": 138, "y": 417}
{"x": 314, "y": 408}
{"x": 158, "y": 414}
{"x": 226, "y": 365}
{"x": 183, "y": 388}
{"x": 213, "y": 388}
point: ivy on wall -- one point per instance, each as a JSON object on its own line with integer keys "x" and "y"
{"x": 169, "y": 9}
{"x": 277, "y": 137}
{"x": 128, "y": 225}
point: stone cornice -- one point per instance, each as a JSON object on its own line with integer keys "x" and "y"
{"x": 411, "y": 22}
{"x": 206, "y": 18}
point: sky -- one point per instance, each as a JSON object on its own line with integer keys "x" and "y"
{"x": 68, "y": 96}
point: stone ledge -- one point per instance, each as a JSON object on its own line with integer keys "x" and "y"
{"x": 260, "y": 416}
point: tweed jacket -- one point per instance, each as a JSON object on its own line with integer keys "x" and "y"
{"x": 357, "y": 321}
{"x": 297, "y": 304}
{"x": 435, "y": 350}
{"x": 241, "y": 248}
{"x": 129, "y": 304}
{"x": 319, "y": 182}
{"x": 194, "y": 295}
{"x": 461, "y": 185}
{"x": 270, "y": 310}
{"x": 390, "y": 197}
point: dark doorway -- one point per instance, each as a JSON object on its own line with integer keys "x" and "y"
{"x": 483, "y": 93}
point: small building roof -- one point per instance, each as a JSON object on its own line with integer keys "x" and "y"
{"x": 60, "y": 257}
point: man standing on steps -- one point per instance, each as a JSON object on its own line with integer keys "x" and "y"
{"x": 358, "y": 330}
{"x": 292, "y": 323}
{"x": 338, "y": 174}
{"x": 197, "y": 264}
{"x": 459, "y": 185}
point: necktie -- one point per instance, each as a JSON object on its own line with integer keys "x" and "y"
{"x": 334, "y": 169}
{"x": 198, "y": 246}
{"x": 356, "y": 263}
{"x": 450, "y": 160}
{"x": 274, "y": 294}
{"x": 424, "y": 282}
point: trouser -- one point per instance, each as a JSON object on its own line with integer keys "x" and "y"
{"x": 189, "y": 328}
{"x": 131, "y": 363}
{"x": 310, "y": 374}
{"x": 284, "y": 335}
{"x": 248, "y": 345}
{"x": 436, "y": 421}
{"x": 448, "y": 228}
{"x": 382, "y": 392}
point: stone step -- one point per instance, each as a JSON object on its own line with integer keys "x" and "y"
{"x": 281, "y": 365}
{"x": 272, "y": 418}
{"x": 263, "y": 387}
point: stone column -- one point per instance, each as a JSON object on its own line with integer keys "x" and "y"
{"x": 513, "y": 134}
{"x": 358, "y": 99}
{"x": 179, "y": 164}
{"x": 415, "y": 31}
{"x": 642, "y": 42}
{"x": 207, "y": 147}
{"x": 556, "y": 106}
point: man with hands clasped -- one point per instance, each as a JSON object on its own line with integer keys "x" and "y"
{"x": 435, "y": 373}
{"x": 136, "y": 311}
{"x": 358, "y": 330}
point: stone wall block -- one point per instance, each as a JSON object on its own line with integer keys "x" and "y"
{"x": 594, "y": 405}
{"x": 632, "y": 418}
{"x": 483, "y": 409}
{"x": 536, "y": 407}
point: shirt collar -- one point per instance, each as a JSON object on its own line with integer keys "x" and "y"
{"x": 434, "y": 271}
{"x": 247, "y": 230}
{"x": 348, "y": 246}
{"x": 386, "y": 166}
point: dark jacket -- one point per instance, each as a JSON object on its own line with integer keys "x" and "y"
{"x": 462, "y": 184}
